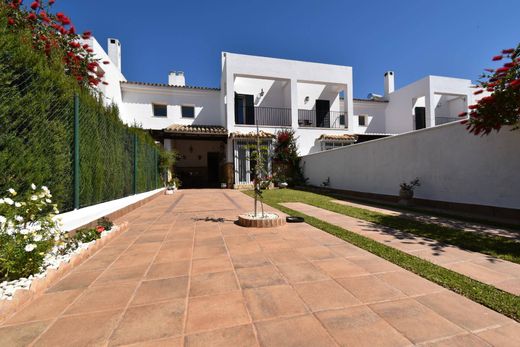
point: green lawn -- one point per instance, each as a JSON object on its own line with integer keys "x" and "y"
{"x": 496, "y": 246}
{"x": 496, "y": 299}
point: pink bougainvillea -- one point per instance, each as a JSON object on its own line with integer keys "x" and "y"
{"x": 502, "y": 106}
{"x": 55, "y": 33}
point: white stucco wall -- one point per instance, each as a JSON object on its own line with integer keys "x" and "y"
{"x": 138, "y": 101}
{"x": 113, "y": 76}
{"x": 376, "y": 112}
{"x": 452, "y": 165}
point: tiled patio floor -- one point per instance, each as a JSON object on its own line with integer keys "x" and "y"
{"x": 183, "y": 276}
{"x": 484, "y": 268}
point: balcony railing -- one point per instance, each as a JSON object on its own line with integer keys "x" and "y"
{"x": 271, "y": 116}
{"x": 444, "y": 120}
{"x": 322, "y": 119}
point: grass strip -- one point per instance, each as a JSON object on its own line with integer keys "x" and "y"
{"x": 489, "y": 296}
{"x": 496, "y": 246}
{"x": 337, "y": 195}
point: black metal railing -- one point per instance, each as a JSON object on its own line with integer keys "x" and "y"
{"x": 273, "y": 116}
{"x": 444, "y": 120}
{"x": 322, "y": 119}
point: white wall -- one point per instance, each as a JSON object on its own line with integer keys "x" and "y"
{"x": 138, "y": 101}
{"x": 275, "y": 91}
{"x": 376, "y": 112}
{"x": 113, "y": 76}
{"x": 452, "y": 165}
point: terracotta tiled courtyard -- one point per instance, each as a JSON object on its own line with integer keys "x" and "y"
{"x": 185, "y": 274}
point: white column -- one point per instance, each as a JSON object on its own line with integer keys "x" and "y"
{"x": 294, "y": 103}
{"x": 349, "y": 106}
{"x": 430, "y": 109}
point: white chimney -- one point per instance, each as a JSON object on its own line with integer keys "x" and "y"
{"x": 176, "y": 78}
{"x": 389, "y": 82}
{"x": 114, "y": 52}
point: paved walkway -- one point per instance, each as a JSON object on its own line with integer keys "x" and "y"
{"x": 484, "y": 268}
{"x": 185, "y": 274}
{"x": 425, "y": 218}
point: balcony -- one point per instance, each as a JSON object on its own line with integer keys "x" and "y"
{"x": 444, "y": 120}
{"x": 266, "y": 116}
{"x": 322, "y": 119}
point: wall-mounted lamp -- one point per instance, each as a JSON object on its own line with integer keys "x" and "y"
{"x": 306, "y": 99}
{"x": 262, "y": 92}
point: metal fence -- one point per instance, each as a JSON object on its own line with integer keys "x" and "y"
{"x": 321, "y": 119}
{"x": 53, "y": 133}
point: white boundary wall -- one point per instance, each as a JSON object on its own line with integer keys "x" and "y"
{"x": 452, "y": 165}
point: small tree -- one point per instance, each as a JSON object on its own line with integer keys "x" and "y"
{"x": 286, "y": 159}
{"x": 261, "y": 177}
{"x": 502, "y": 106}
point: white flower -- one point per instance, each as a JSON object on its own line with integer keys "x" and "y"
{"x": 8, "y": 201}
{"x": 30, "y": 247}
{"x": 12, "y": 191}
{"x": 24, "y": 231}
{"x": 37, "y": 237}
{"x": 17, "y": 204}
{"x": 10, "y": 231}
{"x": 34, "y": 197}
{"x": 1, "y": 201}
{"x": 18, "y": 218}
{"x": 33, "y": 186}
{"x": 45, "y": 189}
{"x": 48, "y": 201}
{"x": 2, "y": 219}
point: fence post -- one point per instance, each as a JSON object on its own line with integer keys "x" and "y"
{"x": 76, "y": 151}
{"x": 135, "y": 164}
{"x": 156, "y": 167}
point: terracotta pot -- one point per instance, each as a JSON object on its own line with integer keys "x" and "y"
{"x": 406, "y": 194}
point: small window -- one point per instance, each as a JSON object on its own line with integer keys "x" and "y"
{"x": 160, "y": 110}
{"x": 188, "y": 111}
{"x": 362, "y": 121}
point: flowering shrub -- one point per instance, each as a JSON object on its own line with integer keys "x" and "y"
{"x": 502, "y": 106}
{"x": 286, "y": 160}
{"x": 27, "y": 231}
{"x": 55, "y": 34}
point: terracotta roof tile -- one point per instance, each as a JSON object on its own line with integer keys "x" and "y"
{"x": 196, "y": 129}
{"x": 342, "y": 137}
{"x": 252, "y": 134}
{"x": 168, "y": 85}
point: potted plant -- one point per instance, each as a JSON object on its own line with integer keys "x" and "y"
{"x": 172, "y": 186}
{"x": 406, "y": 191}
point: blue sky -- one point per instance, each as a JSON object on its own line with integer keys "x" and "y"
{"x": 414, "y": 38}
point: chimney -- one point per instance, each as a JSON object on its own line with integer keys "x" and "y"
{"x": 389, "y": 82}
{"x": 176, "y": 78}
{"x": 114, "y": 52}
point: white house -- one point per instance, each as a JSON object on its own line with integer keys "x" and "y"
{"x": 213, "y": 127}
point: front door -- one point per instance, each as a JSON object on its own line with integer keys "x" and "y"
{"x": 323, "y": 113}
{"x": 213, "y": 169}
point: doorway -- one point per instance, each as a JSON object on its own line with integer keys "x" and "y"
{"x": 420, "y": 118}
{"x": 213, "y": 169}
{"x": 244, "y": 109}
{"x": 323, "y": 113}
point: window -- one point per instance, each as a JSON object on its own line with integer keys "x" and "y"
{"x": 188, "y": 111}
{"x": 160, "y": 110}
{"x": 362, "y": 120}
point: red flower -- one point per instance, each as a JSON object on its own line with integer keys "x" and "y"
{"x": 480, "y": 91}
{"x": 105, "y": 83}
{"x": 51, "y": 2}
{"x": 106, "y": 62}
{"x": 489, "y": 70}
{"x": 502, "y": 69}
{"x": 508, "y": 51}
{"x": 10, "y": 21}
{"x": 472, "y": 107}
{"x": 87, "y": 35}
{"x": 463, "y": 114}
{"x": 515, "y": 83}
{"x": 100, "y": 229}
{"x": 35, "y": 5}
{"x": 31, "y": 16}
{"x": 497, "y": 57}
{"x": 72, "y": 30}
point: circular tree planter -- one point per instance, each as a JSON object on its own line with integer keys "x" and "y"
{"x": 268, "y": 220}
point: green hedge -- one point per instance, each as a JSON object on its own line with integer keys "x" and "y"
{"x": 37, "y": 136}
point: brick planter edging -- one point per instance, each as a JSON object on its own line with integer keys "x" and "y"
{"x": 248, "y": 222}
{"x": 40, "y": 285}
